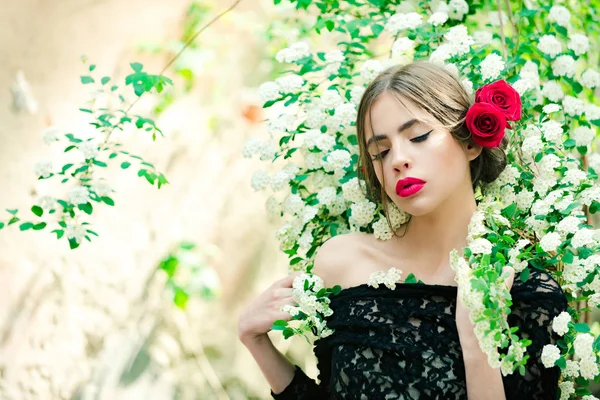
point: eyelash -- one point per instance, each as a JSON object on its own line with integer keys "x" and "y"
{"x": 418, "y": 139}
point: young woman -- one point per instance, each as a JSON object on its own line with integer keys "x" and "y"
{"x": 415, "y": 341}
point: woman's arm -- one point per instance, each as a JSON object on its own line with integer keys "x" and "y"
{"x": 276, "y": 368}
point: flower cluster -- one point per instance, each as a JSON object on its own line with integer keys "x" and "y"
{"x": 389, "y": 278}
{"x": 312, "y": 307}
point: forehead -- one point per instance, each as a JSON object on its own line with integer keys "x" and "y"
{"x": 389, "y": 111}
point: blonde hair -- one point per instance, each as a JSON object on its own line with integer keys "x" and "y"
{"x": 440, "y": 94}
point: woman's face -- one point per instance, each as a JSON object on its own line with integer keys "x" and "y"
{"x": 420, "y": 150}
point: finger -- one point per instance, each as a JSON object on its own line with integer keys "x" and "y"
{"x": 289, "y": 280}
{"x": 511, "y": 276}
{"x": 283, "y": 292}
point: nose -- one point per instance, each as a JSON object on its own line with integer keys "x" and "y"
{"x": 401, "y": 160}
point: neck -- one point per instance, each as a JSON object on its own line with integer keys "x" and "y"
{"x": 431, "y": 237}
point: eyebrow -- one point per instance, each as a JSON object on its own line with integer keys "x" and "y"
{"x": 401, "y": 128}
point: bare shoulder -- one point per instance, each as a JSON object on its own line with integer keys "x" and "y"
{"x": 339, "y": 254}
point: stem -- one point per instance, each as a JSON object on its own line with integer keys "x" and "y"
{"x": 504, "y": 51}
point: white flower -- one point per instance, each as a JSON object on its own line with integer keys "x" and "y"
{"x": 583, "y": 344}
{"x": 397, "y": 216}
{"x": 438, "y": 18}
{"x": 273, "y": 207}
{"x": 592, "y": 112}
{"x": 550, "y": 241}
{"x": 337, "y": 160}
{"x": 48, "y": 203}
{"x": 459, "y": 40}
{"x": 293, "y": 204}
{"x": 260, "y": 180}
{"x": 583, "y": 237}
{"x": 594, "y": 300}
{"x": 491, "y": 66}
{"x": 532, "y": 145}
{"x": 564, "y": 66}
{"x": 553, "y": 91}
{"x": 457, "y": 9}
{"x": 494, "y": 19}
{"x": 331, "y": 99}
{"x": 334, "y": 56}
{"x": 549, "y": 44}
{"x": 370, "y": 69}
{"x": 305, "y": 240}
{"x": 566, "y": 390}
{"x": 483, "y": 38}
{"x": 400, "y": 21}
{"x": 579, "y": 43}
{"x": 362, "y": 213}
{"x": 572, "y": 369}
{"x": 345, "y": 114}
{"x": 590, "y": 78}
{"x": 356, "y": 94}
{"x": 279, "y": 180}
{"x": 325, "y": 142}
{"x": 102, "y": 188}
{"x": 550, "y": 354}
{"x": 389, "y": 278}
{"x": 75, "y": 230}
{"x": 268, "y": 91}
{"x": 381, "y": 229}
{"x": 560, "y": 15}
{"x": 552, "y": 130}
{"x": 583, "y": 135}
{"x": 573, "y": 106}
{"x": 402, "y": 45}
{"x": 468, "y": 85}
{"x": 293, "y": 53}
{"x": 79, "y": 195}
{"x": 523, "y": 85}
{"x": 50, "y": 135}
{"x": 441, "y": 54}
{"x": 89, "y": 149}
{"x": 481, "y": 246}
{"x": 44, "y": 168}
{"x": 588, "y": 367}
{"x": 290, "y": 83}
{"x": 551, "y": 108}
{"x": 352, "y": 191}
{"x": 327, "y": 195}
{"x": 560, "y": 323}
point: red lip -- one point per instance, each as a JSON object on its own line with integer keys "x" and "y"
{"x": 416, "y": 185}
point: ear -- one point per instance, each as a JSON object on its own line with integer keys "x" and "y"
{"x": 472, "y": 151}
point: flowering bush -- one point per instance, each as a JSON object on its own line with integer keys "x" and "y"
{"x": 549, "y": 187}
{"x": 109, "y": 113}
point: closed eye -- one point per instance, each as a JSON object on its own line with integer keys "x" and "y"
{"x": 418, "y": 139}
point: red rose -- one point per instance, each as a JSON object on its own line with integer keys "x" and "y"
{"x": 487, "y": 123}
{"x": 502, "y": 95}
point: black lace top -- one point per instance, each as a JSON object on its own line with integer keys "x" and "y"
{"x": 403, "y": 344}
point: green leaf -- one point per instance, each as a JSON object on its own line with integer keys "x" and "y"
{"x": 86, "y": 208}
{"x": 280, "y": 322}
{"x": 1, "y": 225}
{"x": 411, "y": 278}
{"x": 86, "y": 110}
{"x": 329, "y": 25}
{"x": 73, "y": 244}
{"x": 99, "y": 163}
{"x": 181, "y": 298}
{"x": 561, "y": 362}
{"x": 25, "y": 225}
{"x": 37, "y": 210}
{"x": 13, "y": 212}
{"x": 59, "y": 233}
{"x": 582, "y": 327}
{"x": 376, "y": 29}
{"x": 92, "y": 67}
{"x": 287, "y": 333}
{"x": 108, "y": 200}
{"x": 137, "y": 67}
{"x": 295, "y": 260}
{"x": 87, "y": 79}
{"x": 39, "y": 226}
{"x": 125, "y": 164}
{"x": 105, "y": 80}
{"x": 13, "y": 220}
{"x": 525, "y": 275}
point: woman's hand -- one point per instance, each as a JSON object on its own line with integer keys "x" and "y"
{"x": 257, "y": 318}
{"x": 463, "y": 321}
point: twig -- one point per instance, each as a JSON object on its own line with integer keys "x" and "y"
{"x": 504, "y": 51}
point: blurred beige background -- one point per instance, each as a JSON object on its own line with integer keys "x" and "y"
{"x": 72, "y": 321}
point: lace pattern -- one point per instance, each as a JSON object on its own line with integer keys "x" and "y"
{"x": 403, "y": 343}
